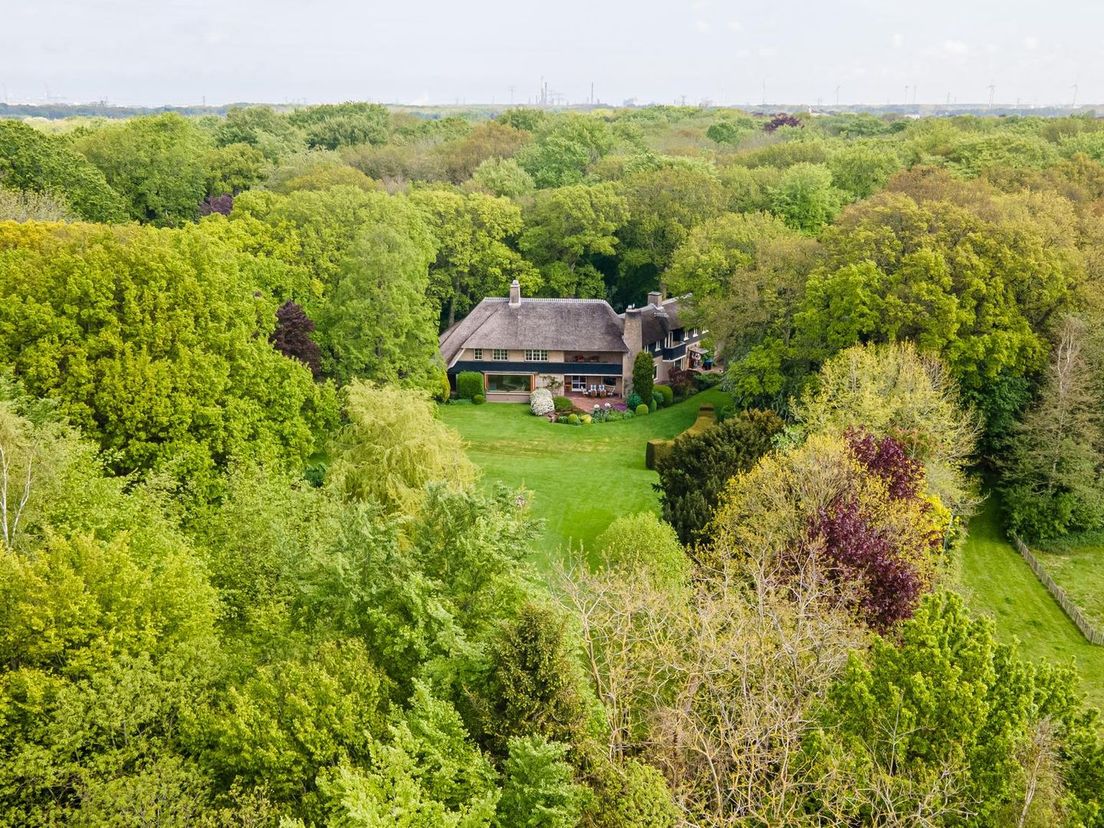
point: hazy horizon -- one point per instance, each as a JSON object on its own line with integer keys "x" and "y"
{"x": 494, "y": 52}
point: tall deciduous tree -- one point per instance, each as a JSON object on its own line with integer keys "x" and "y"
{"x": 746, "y": 273}
{"x": 935, "y": 725}
{"x": 566, "y": 228}
{"x": 376, "y": 323}
{"x": 393, "y": 446}
{"x": 805, "y": 197}
{"x": 157, "y": 163}
{"x": 154, "y": 342}
{"x": 564, "y": 149}
{"x": 664, "y": 205}
{"x": 33, "y": 162}
{"x": 474, "y": 258}
{"x": 292, "y": 337}
{"x": 1052, "y": 478}
{"x": 895, "y": 391}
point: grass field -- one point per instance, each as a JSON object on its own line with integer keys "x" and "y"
{"x": 582, "y": 477}
{"x": 997, "y": 582}
{"x": 1078, "y": 567}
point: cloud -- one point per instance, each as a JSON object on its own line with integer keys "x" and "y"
{"x": 955, "y": 47}
{"x": 735, "y": 25}
{"x": 898, "y": 40}
{"x": 767, "y": 51}
{"x": 702, "y": 25}
{"x": 1031, "y": 43}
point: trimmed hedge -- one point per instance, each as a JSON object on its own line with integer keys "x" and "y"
{"x": 665, "y": 392}
{"x": 479, "y": 399}
{"x": 468, "y": 384}
{"x": 656, "y": 449}
{"x": 641, "y": 409}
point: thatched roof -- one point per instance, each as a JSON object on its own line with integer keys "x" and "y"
{"x": 555, "y": 325}
{"x": 549, "y": 324}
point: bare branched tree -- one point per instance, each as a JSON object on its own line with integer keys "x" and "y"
{"x": 17, "y": 453}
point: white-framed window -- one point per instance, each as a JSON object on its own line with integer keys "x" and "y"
{"x": 478, "y": 354}
{"x": 501, "y": 354}
{"x": 578, "y": 384}
{"x": 536, "y": 356}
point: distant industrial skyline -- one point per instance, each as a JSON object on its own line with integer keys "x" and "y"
{"x": 431, "y": 52}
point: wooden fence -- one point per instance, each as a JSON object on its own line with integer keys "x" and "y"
{"x": 1092, "y": 633}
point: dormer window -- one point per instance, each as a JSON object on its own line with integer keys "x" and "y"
{"x": 536, "y": 356}
{"x": 478, "y": 354}
{"x": 501, "y": 354}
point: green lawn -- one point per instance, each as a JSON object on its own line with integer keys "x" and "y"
{"x": 996, "y": 581}
{"x": 1078, "y": 567}
{"x": 582, "y": 477}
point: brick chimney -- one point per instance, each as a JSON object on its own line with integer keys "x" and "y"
{"x": 655, "y": 297}
{"x": 515, "y": 293}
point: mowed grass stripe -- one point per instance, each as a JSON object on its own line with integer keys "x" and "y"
{"x": 996, "y": 581}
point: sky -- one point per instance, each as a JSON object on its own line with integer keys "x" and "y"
{"x": 181, "y": 52}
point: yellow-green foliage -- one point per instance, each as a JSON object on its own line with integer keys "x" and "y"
{"x": 768, "y": 510}
{"x": 644, "y": 544}
{"x": 392, "y": 446}
{"x": 155, "y": 343}
{"x": 893, "y": 390}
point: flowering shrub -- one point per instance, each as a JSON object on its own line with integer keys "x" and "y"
{"x": 540, "y": 402}
{"x": 609, "y": 412}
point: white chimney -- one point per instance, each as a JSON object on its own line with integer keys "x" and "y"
{"x": 515, "y": 293}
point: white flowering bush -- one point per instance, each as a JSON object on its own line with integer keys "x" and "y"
{"x": 540, "y": 402}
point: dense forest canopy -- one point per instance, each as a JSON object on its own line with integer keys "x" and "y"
{"x": 249, "y": 578}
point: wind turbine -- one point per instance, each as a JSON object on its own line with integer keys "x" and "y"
{"x": 1074, "y": 88}
{"x": 992, "y": 91}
